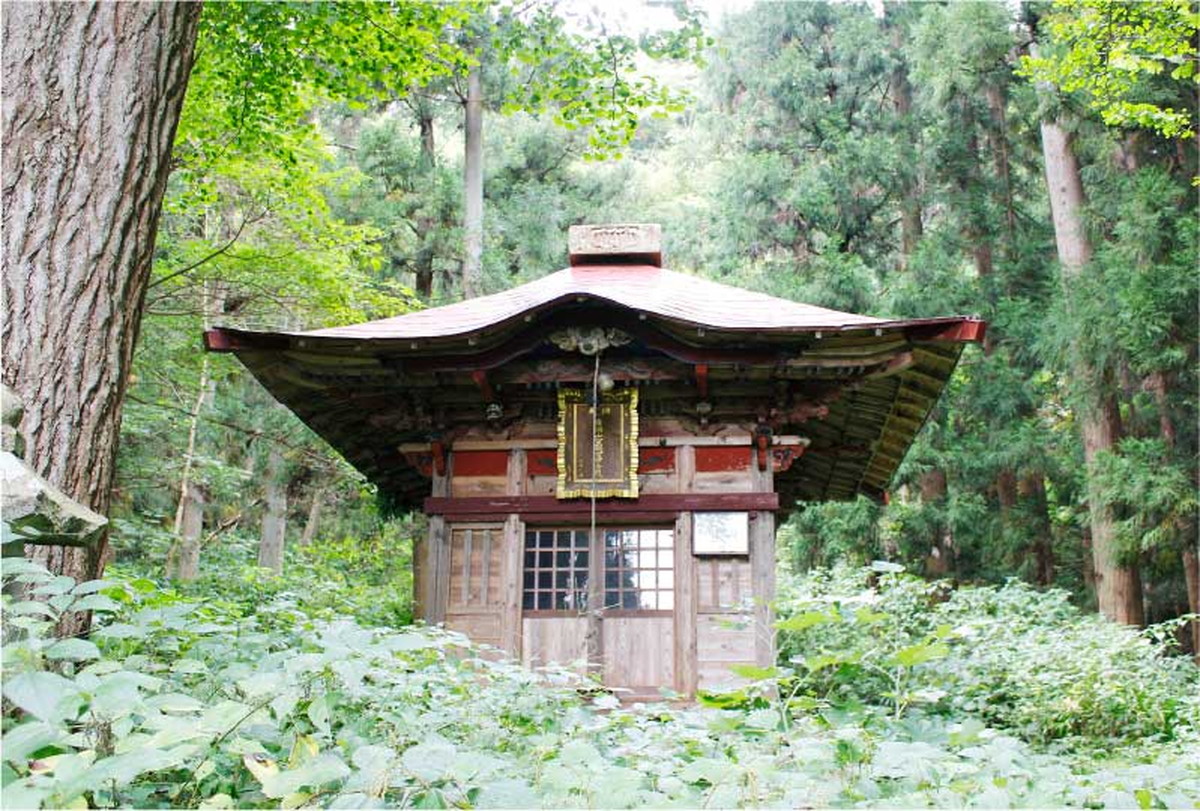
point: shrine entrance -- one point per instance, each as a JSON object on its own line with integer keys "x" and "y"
{"x": 629, "y": 572}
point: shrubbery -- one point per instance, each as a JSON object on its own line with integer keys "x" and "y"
{"x": 1012, "y": 656}
{"x": 180, "y": 702}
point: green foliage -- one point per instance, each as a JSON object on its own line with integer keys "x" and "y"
{"x": 1118, "y": 55}
{"x": 177, "y": 703}
{"x": 366, "y": 576}
{"x": 1016, "y": 658}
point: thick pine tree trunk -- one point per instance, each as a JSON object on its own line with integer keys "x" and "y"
{"x": 1118, "y": 587}
{"x": 93, "y": 96}
{"x": 472, "y": 269}
{"x": 274, "y": 523}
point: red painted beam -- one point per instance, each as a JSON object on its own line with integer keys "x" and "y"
{"x": 549, "y": 505}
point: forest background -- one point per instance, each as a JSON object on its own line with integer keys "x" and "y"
{"x": 887, "y": 164}
{"x": 1032, "y": 164}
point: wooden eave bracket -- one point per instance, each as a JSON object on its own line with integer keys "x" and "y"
{"x": 485, "y": 387}
{"x": 702, "y": 380}
{"x": 969, "y": 330}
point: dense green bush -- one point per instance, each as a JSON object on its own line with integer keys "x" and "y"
{"x": 182, "y": 703}
{"x": 366, "y": 576}
{"x": 1012, "y": 656}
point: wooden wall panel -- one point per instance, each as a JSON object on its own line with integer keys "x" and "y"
{"x": 723, "y": 640}
{"x": 468, "y": 486}
{"x": 561, "y": 640}
{"x": 723, "y": 482}
{"x": 475, "y": 585}
{"x": 724, "y": 584}
{"x": 481, "y": 627}
{"x": 639, "y": 652}
{"x": 476, "y": 567}
{"x": 541, "y": 485}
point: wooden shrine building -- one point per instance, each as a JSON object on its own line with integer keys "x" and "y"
{"x": 603, "y": 453}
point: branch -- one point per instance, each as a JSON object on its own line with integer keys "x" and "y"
{"x": 208, "y": 258}
{"x": 255, "y": 433}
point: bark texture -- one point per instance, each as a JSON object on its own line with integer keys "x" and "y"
{"x": 94, "y": 93}
{"x": 314, "y": 516}
{"x": 472, "y": 269}
{"x": 274, "y": 523}
{"x": 1118, "y": 587}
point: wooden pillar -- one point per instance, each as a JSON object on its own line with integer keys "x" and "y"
{"x": 762, "y": 570}
{"x": 511, "y": 560}
{"x": 436, "y": 577}
{"x": 687, "y": 609}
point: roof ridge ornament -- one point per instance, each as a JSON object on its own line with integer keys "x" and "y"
{"x": 588, "y": 340}
{"x": 615, "y": 244}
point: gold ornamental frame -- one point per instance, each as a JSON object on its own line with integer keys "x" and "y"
{"x": 574, "y": 486}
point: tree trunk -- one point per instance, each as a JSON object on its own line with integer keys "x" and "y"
{"x": 1158, "y": 384}
{"x": 910, "y": 201}
{"x": 472, "y": 269}
{"x": 314, "y": 516}
{"x": 1118, "y": 586}
{"x": 189, "y": 514}
{"x": 997, "y": 135}
{"x": 1191, "y": 574}
{"x": 1031, "y": 492}
{"x": 94, "y": 96}
{"x": 274, "y": 523}
{"x": 425, "y": 224}
{"x": 183, "y": 561}
{"x": 940, "y": 561}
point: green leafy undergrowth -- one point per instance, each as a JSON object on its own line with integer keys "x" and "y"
{"x": 1017, "y": 658}
{"x": 179, "y": 703}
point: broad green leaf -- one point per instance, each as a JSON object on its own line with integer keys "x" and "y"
{"x": 61, "y": 584}
{"x": 324, "y": 768}
{"x": 508, "y": 793}
{"x": 427, "y": 761}
{"x": 175, "y": 702}
{"x": 75, "y": 649}
{"x": 32, "y": 607}
{"x": 754, "y": 672}
{"x": 318, "y": 713}
{"x": 95, "y": 602}
{"x": 865, "y": 616}
{"x": 91, "y": 586}
{"x": 800, "y": 622}
{"x": 23, "y": 740}
{"x": 47, "y": 696}
{"x": 918, "y": 654}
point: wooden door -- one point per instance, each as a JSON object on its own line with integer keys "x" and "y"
{"x": 638, "y": 617}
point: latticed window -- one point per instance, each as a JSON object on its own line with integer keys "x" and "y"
{"x": 556, "y": 570}
{"x": 639, "y": 569}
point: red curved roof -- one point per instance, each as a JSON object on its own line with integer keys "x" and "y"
{"x": 664, "y": 293}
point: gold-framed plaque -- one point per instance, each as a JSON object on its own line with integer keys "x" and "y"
{"x": 597, "y": 444}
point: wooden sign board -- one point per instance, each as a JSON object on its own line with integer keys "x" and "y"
{"x": 721, "y": 533}
{"x": 597, "y": 445}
